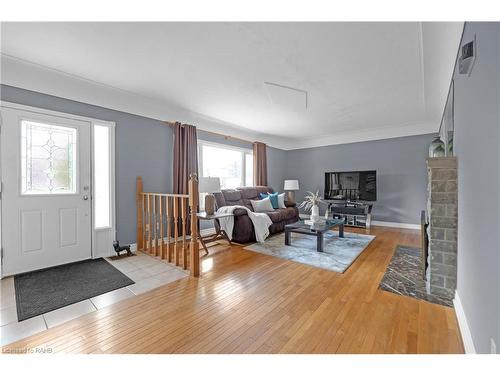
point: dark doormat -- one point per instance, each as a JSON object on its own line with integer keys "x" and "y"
{"x": 41, "y": 291}
{"x": 403, "y": 277}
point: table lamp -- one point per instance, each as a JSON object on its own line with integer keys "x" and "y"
{"x": 209, "y": 185}
{"x": 291, "y": 186}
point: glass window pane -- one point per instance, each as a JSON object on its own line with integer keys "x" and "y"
{"x": 223, "y": 163}
{"x": 102, "y": 189}
{"x": 248, "y": 169}
{"x": 48, "y": 158}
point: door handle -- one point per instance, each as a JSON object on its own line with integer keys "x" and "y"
{"x": 85, "y": 197}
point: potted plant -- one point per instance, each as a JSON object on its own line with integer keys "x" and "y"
{"x": 437, "y": 148}
{"x": 311, "y": 203}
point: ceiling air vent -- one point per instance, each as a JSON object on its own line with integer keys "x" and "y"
{"x": 287, "y": 97}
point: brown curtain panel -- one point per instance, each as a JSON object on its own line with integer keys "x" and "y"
{"x": 185, "y": 156}
{"x": 259, "y": 164}
{"x": 185, "y": 160}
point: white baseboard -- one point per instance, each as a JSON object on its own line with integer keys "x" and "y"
{"x": 395, "y": 225}
{"x": 464, "y": 326}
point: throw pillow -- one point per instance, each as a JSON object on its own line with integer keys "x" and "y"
{"x": 281, "y": 200}
{"x": 263, "y": 205}
{"x": 273, "y": 197}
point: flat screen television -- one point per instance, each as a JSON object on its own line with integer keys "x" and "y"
{"x": 352, "y": 186}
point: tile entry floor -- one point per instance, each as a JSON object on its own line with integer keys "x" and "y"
{"x": 148, "y": 273}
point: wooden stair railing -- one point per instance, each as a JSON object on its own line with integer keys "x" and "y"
{"x": 160, "y": 214}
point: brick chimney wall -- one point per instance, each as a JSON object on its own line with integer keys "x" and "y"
{"x": 442, "y": 230}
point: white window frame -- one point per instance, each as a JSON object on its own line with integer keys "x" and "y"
{"x": 244, "y": 152}
{"x": 102, "y": 237}
{"x": 111, "y": 175}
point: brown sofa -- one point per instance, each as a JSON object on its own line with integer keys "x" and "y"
{"x": 243, "y": 231}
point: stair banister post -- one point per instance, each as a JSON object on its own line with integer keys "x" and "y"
{"x": 194, "y": 253}
{"x": 139, "y": 199}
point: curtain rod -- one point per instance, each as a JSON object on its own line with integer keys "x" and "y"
{"x": 172, "y": 123}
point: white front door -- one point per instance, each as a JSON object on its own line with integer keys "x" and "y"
{"x": 46, "y": 209}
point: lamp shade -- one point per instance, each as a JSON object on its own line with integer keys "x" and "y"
{"x": 209, "y": 184}
{"x": 291, "y": 185}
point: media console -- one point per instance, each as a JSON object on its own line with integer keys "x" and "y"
{"x": 355, "y": 214}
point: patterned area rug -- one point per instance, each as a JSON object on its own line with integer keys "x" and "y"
{"x": 403, "y": 277}
{"x": 338, "y": 253}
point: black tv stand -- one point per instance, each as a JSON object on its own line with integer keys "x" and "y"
{"x": 355, "y": 213}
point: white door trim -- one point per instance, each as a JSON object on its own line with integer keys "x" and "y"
{"x": 92, "y": 121}
{"x": 103, "y": 236}
{"x": 54, "y": 113}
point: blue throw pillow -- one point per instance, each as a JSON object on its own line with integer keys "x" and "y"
{"x": 273, "y": 197}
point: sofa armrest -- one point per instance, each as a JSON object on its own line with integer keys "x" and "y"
{"x": 290, "y": 204}
{"x": 239, "y": 212}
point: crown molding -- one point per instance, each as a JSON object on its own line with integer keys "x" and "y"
{"x": 373, "y": 134}
{"x": 34, "y": 77}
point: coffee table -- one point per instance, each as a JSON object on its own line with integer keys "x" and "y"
{"x": 314, "y": 230}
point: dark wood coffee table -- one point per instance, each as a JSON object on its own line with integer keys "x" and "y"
{"x": 314, "y": 230}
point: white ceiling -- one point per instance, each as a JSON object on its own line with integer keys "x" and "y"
{"x": 363, "y": 80}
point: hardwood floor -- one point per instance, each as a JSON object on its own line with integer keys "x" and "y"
{"x": 247, "y": 302}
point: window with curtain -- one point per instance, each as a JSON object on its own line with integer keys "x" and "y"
{"x": 233, "y": 165}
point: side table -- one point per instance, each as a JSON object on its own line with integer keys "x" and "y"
{"x": 220, "y": 234}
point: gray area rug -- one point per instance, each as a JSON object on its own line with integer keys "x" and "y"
{"x": 41, "y": 291}
{"x": 338, "y": 255}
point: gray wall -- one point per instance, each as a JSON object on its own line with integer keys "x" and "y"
{"x": 400, "y": 165}
{"x": 276, "y": 168}
{"x": 477, "y": 139}
{"x": 143, "y": 148}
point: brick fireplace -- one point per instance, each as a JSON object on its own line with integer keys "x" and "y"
{"x": 441, "y": 272}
